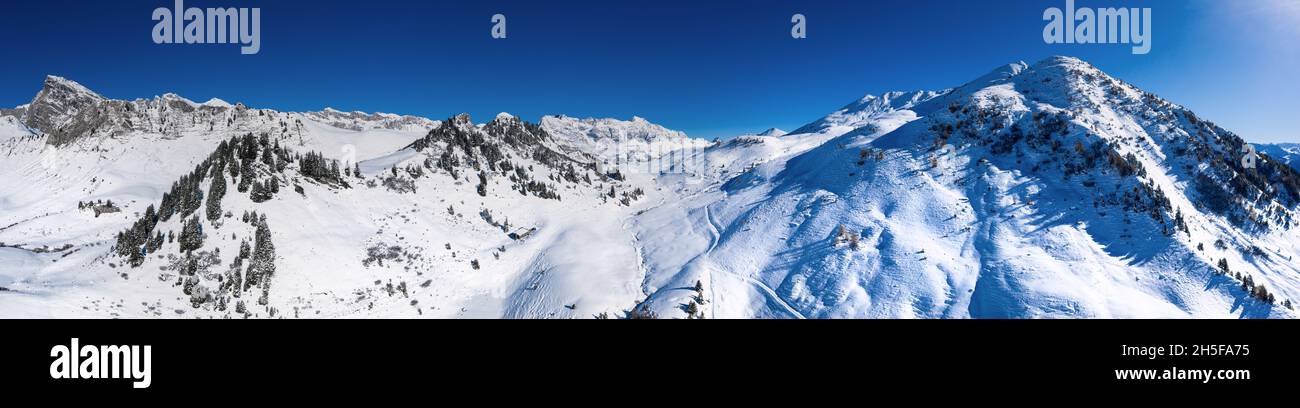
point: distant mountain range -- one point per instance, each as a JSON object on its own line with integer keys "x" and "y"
{"x": 1288, "y": 153}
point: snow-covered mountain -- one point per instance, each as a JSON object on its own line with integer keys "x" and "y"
{"x": 1288, "y": 153}
{"x": 162, "y": 208}
{"x": 631, "y": 144}
{"x": 1050, "y": 190}
{"x": 1044, "y": 190}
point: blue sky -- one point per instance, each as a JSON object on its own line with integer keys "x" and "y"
{"x": 710, "y": 68}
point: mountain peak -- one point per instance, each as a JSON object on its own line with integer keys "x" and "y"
{"x": 170, "y": 97}
{"x": 53, "y": 82}
{"x": 772, "y": 132}
{"x": 462, "y": 119}
{"x": 217, "y": 103}
{"x": 1059, "y": 59}
{"x": 59, "y": 101}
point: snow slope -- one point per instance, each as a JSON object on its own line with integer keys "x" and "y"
{"x": 958, "y": 213}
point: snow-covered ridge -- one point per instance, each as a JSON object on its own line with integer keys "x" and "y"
{"x": 612, "y": 140}
{"x": 593, "y": 129}
{"x": 769, "y": 132}
{"x": 357, "y": 120}
{"x": 65, "y": 111}
{"x": 869, "y": 109}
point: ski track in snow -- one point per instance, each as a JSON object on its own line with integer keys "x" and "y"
{"x": 715, "y": 235}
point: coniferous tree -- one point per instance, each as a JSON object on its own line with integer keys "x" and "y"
{"x": 1179, "y": 221}
{"x": 267, "y": 158}
{"x": 262, "y": 266}
{"x": 316, "y": 166}
{"x": 191, "y": 235}
{"x": 482, "y": 184}
{"x": 154, "y": 244}
{"x": 167, "y": 207}
{"x": 136, "y": 256}
{"x": 260, "y": 192}
{"x": 247, "y": 180}
{"x": 281, "y": 162}
{"x": 235, "y": 169}
{"x": 134, "y": 243}
{"x": 216, "y": 191}
{"x": 150, "y": 215}
{"x": 189, "y": 266}
{"x": 188, "y": 194}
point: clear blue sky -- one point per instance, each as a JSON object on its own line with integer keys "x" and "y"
{"x": 710, "y": 68}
